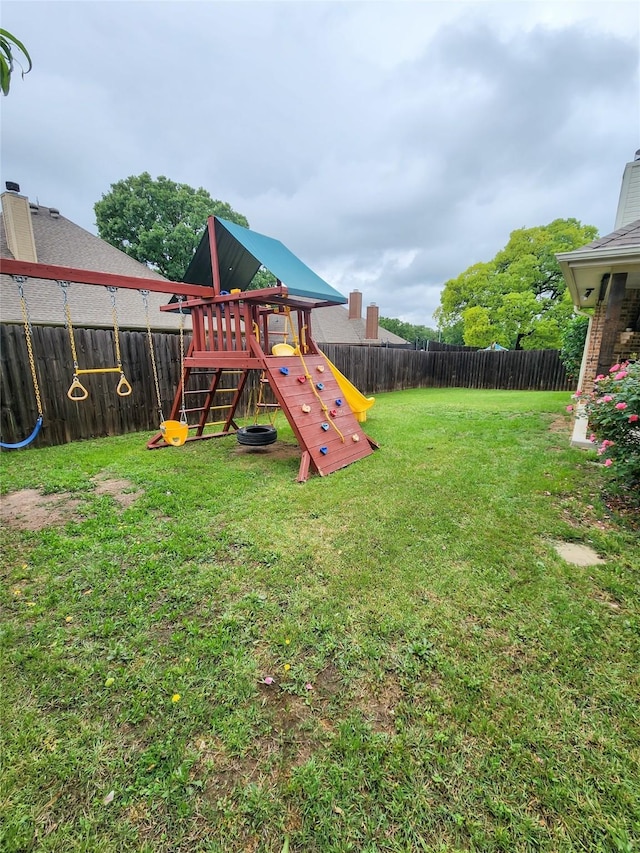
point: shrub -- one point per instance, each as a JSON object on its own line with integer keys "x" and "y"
{"x": 573, "y": 339}
{"x": 613, "y": 410}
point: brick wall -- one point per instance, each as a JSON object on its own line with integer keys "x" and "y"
{"x": 627, "y": 345}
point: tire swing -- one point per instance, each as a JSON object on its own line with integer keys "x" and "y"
{"x": 257, "y": 435}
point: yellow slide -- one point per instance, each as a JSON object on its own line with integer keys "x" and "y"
{"x": 356, "y": 400}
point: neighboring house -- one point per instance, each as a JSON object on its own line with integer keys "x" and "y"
{"x": 605, "y": 276}
{"x": 337, "y": 324}
{"x": 31, "y": 232}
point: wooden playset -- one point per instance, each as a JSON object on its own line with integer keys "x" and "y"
{"x": 232, "y": 335}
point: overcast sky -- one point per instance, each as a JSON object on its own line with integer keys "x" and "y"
{"x": 390, "y": 144}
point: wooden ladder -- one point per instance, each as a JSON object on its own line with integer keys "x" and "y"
{"x": 209, "y": 401}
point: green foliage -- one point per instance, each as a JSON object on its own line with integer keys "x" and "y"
{"x": 408, "y": 331}
{"x": 158, "y": 222}
{"x": 613, "y": 409}
{"x": 519, "y": 299}
{"x": 263, "y": 278}
{"x": 8, "y": 45}
{"x": 574, "y": 336}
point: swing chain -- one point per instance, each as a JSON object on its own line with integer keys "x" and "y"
{"x": 154, "y": 366}
{"x": 69, "y": 325}
{"x": 183, "y": 413}
{"x": 114, "y": 315}
{"x": 28, "y": 334}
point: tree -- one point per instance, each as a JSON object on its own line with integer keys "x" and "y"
{"x": 8, "y": 46}
{"x": 158, "y": 222}
{"x": 519, "y": 299}
{"x": 408, "y": 331}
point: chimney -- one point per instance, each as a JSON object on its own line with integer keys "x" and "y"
{"x": 371, "y": 327}
{"x": 17, "y": 225}
{"x": 355, "y": 305}
{"x": 629, "y": 202}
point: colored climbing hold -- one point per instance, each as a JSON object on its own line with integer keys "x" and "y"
{"x": 325, "y": 427}
{"x": 355, "y": 437}
{"x": 284, "y": 371}
{"x": 306, "y": 408}
{"x": 302, "y": 378}
{"x": 319, "y": 386}
{"x": 338, "y": 402}
{"x": 333, "y": 413}
{"x": 320, "y": 368}
{"x": 324, "y": 450}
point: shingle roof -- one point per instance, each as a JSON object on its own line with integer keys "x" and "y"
{"x": 626, "y": 237}
{"x": 61, "y": 242}
{"x": 331, "y": 325}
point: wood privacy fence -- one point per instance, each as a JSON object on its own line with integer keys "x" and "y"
{"x": 371, "y": 369}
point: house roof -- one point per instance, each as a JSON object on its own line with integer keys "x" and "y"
{"x": 585, "y": 269}
{"x": 63, "y": 243}
{"x": 331, "y": 325}
{"x": 242, "y": 252}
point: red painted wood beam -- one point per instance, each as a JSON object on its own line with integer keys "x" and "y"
{"x": 9, "y": 266}
{"x": 213, "y": 252}
{"x": 267, "y": 294}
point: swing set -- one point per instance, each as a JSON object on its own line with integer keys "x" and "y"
{"x": 232, "y": 334}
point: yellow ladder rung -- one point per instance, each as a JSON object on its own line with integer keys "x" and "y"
{"x": 99, "y": 370}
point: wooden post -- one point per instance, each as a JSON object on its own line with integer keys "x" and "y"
{"x": 611, "y": 326}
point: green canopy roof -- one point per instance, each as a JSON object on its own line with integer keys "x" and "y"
{"x": 242, "y": 252}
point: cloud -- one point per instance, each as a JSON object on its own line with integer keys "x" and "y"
{"x": 390, "y": 145}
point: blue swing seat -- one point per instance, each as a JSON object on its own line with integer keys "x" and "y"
{"x": 5, "y": 446}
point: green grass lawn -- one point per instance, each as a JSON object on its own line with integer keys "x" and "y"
{"x": 442, "y": 679}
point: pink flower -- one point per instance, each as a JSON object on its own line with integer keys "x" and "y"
{"x": 608, "y": 443}
{"x": 593, "y": 437}
{"x": 621, "y": 406}
{"x": 633, "y": 418}
{"x": 569, "y": 408}
{"x": 607, "y": 398}
{"x": 578, "y": 393}
{"x": 615, "y": 368}
{"x": 620, "y": 375}
{"x": 308, "y": 686}
{"x": 599, "y": 377}
{"x": 608, "y": 463}
{"x": 267, "y": 680}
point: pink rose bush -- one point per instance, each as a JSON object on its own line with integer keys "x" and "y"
{"x": 613, "y": 410}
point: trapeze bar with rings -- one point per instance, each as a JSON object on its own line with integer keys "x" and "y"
{"x": 77, "y": 391}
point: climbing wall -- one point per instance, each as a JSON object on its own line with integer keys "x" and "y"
{"x": 325, "y": 426}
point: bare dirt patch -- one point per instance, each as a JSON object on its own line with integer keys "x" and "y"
{"x": 379, "y": 705}
{"x": 28, "y": 509}
{"x": 560, "y": 424}
{"x": 122, "y": 491}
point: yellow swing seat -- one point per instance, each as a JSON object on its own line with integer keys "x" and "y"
{"x": 174, "y": 432}
{"x": 282, "y": 349}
